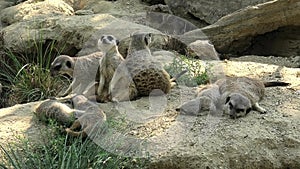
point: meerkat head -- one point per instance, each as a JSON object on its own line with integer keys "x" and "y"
{"x": 106, "y": 42}
{"x": 237, "y": 105}
{"x": 62, "y": 64}
{"x": 140, "y": 41}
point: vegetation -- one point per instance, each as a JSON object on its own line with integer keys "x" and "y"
{"x": 196, "y": 75}
{"x": 26, "y": 77}
{"x": 61, "y": 152}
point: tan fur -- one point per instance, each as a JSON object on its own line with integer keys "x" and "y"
{"x": 52, "y": 109}
{"x": 207, "y": 101}
{"x": 240, "y": 95}
{"x": 89, "y": 122}
{"x": 89, "y": 117}
{"x": 82, "y": 69}
{"x": 108, "y": 64}
{"x": 140, "y": 73}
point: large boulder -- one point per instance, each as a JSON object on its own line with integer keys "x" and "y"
{"x": 206, "y": 12}
{"x": 236, "y": 32}
{"x": 31, "y": 10}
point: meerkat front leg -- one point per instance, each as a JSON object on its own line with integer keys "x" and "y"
{"x": 258, "y": 108}
{"x": 68, "y": 90}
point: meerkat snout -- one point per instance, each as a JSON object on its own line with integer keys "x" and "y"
{"x": 237, "y": 105}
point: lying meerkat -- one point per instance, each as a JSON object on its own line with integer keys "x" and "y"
{"x": 52, "y": 109}
{"x": 108, "y": 64}
{"x": 82, "y": 69}
{"x": 240, "y": 95}
{"x": 90, "y": 121}
{"x": 140, "y": 73}
{"x": 207, "y": 101}
{"x": 85, "y": 115}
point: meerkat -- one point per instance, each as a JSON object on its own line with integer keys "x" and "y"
{"x": 52, "y": 109}
{"x": 89, "y": 122}
{"x": 108, "y": 64}
{"x": 85, "y": 115}
{"x": 240, "y": 95}
{"x": 139, "y": 74}
{"x": 82, "y": 69}
{"x": 206, "y": 101}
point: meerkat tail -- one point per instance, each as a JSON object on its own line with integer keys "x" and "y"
{"x": 178, "y": 75}
{"x": 275, "y": 83}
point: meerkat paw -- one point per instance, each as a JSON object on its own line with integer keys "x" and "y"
{"x": 258, "y": 108}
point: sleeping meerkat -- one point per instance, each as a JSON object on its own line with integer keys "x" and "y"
{"x": 90, "y": 121}
{"x": 82, "y": 69}
{"x": 240, "y": 95}
{"x": 207, "y": 101}
{"x": 139, "y": 74}
{"x": 108, "y": 64}
{"x": 85, "y": 116}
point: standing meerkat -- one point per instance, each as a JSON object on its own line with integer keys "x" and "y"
{"x": 108, "y": 64}
{"x": 240, "y": 95}
{"x": 82, "y": 69}
{"x": 139, "y": 74}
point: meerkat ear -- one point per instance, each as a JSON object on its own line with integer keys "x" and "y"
{"x": 102, "y": 37}
{"x": 117, "y": 42}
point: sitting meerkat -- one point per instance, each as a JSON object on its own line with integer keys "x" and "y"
{"x": 108, "y": 64}
{"x": 82, "y": 69}
{"x": 139, "y": 74}
{"x": 240, "y": 95}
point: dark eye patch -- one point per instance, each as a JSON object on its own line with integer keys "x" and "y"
{"x": 57, "y": 67}
{"x": 110, "y": 38}
{"x": 69, "y": 64}
{"x": 239, "y": 110}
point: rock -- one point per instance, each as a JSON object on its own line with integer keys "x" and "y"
{"x": 84, "y": 12}
{"x": 202, "y": 49}
{"x": 31, "y": 10}
{"x": 169, "y": 24}
{"x": 234, "y": 32}
{"x": 4, "y": 4}
{"x": 206, "y": 12}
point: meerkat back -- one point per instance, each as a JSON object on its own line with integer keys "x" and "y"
{"x": 147, "y": 73}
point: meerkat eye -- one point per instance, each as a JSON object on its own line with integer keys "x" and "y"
{"x": 248, "y": 110}
{"x": 239, "y": 110}
{"x": 57, "y": 67}
{"x": 69, "y": 64}
{"x": 110, "y": 38}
